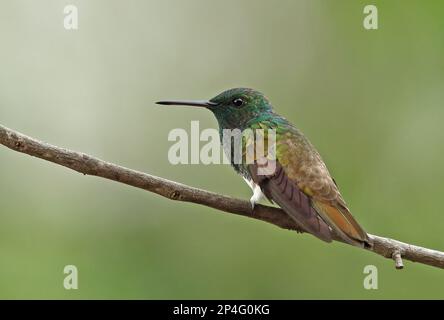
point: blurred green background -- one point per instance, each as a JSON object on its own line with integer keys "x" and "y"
{"x": 371, "y": 101}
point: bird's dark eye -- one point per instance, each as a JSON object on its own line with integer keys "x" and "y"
{"x": 238, "y": 102}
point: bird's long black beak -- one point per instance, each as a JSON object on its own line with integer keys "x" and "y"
{"x": 194, "y": 103}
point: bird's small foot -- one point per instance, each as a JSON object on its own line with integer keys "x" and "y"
{"x": 253, "y": 203}
{"x": 257, "y": 196}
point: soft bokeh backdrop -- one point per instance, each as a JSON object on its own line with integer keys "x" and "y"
{"x": 371, "y": 101}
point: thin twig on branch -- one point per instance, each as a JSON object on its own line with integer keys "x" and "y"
{"x": 88, "y": 165}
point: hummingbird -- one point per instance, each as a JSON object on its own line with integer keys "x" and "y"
{"x": 300, "y": 182}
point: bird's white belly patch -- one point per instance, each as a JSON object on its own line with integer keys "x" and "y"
{"x": 257, "y": 192}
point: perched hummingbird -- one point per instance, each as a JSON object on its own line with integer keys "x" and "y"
{"x": 300, "y": 183}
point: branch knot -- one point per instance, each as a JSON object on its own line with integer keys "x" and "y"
{"x": 175, "y": 195}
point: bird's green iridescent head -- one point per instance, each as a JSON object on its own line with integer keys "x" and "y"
{"x": 234, "y": 108}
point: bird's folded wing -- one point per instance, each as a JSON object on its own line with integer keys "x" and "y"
{"x": 298, "y": 181}
{"x": 280, "y": 189}
{"x": 317, "y": 216}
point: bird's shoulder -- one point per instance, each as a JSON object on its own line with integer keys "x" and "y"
{"x": 301, "y": 162}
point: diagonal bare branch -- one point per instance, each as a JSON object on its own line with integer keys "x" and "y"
{"x": 88, "y": 165}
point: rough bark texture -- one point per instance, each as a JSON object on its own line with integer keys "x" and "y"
{"x": 88, "y": 165}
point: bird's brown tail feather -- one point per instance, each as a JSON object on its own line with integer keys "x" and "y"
{"x": 343, "y": 223}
